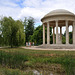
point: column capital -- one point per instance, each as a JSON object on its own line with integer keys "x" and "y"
{"x": 47, "y": 22}
{"x": 67, "y": 23}
{"x": 66, "y": 20}
{"x": 56, "y": 20}
{"x": 43, "y": 24}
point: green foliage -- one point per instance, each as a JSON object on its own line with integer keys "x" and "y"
{"x": 12, "y": 32}
{"x": 64, "y": 38}
{"x": 6, "y": 71}
{"x": 1, "y": 40}
{"x": 20, "y": 36}
{"x": 70, "y": 38}
{"x": 22, "y": 58}
{"x": 51, "y": 36}
{"x": 11, "y": 72}
{"x": 37, "y": 35}
{"x": 13, "y": 60}
{"x": 29, "y": 27}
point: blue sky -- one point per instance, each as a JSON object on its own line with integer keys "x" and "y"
{"x": 18, "y": 9}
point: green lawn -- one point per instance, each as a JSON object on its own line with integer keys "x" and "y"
{"x": 14, "y": 59}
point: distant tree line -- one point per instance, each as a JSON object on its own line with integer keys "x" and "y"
{"x": 37, "y": 36}
{"x": 28, "y": 28}
{"x": 16, "y": 32}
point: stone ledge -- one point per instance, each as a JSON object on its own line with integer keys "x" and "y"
{"x": 57, "y": 46}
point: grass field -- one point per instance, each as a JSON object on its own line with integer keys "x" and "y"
{"x": 15, "y": 61}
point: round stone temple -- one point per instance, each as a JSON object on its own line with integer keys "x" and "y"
{"x": 58, "y": 18}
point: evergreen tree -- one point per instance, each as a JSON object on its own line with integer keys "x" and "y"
{"x": 29, "y": 27}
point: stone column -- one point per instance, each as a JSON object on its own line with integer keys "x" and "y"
{"x": 53, "y": 35}
{"x": 67, "y": 33}
{"x": 56, "y": 32}
{"x": 61, "y": 34}
{"x": 74, "y": 32}
{"x": 48, "y": 33}
{"x": 43, "y": 34}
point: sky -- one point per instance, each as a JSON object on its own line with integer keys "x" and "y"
{"x": 18, "y": 9}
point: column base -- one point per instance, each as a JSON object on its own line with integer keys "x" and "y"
{"x": 57, "y": 46}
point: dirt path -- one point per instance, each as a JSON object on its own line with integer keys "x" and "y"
{"x": 34, "y": 48}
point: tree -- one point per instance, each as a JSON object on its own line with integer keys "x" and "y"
{"x": 12, "y": 31}
{"x": 1, "y": 40}
{"x": 19, "y": 35}
{"x": 37, "y": 36}
{"x": 70, "y": 38}
{"x": 29, "y": 27}
{"x": 64, "y": 38}
{"x": 51, "y": 35}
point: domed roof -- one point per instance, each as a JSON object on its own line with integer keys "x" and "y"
{"x": 58, "y": 12}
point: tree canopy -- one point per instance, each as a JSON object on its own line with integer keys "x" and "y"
{"x": 37, "y": 36}
{"x": 12, "y": 31}
{"x": 29, "y": 27}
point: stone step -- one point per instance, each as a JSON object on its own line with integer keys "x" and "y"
{"x": 59, "y": 46}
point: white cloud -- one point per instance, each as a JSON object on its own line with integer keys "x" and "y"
{"x": 32, "y": 3}
{"x": 10, "y": 4}
{"x": 35, "y": 13}
{"x": 7, "y": 3}
{"x": 34, "y": 8}
{"x": 38, "y": 8}
{"x": 8, "y": 11}
{"x": 9, "y": 8}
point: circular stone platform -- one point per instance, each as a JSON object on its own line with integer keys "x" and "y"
{"x": 40, "y": 48}
{"x": 57, "y": 46}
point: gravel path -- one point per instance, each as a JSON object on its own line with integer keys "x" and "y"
{"x": 34, "y": 48}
